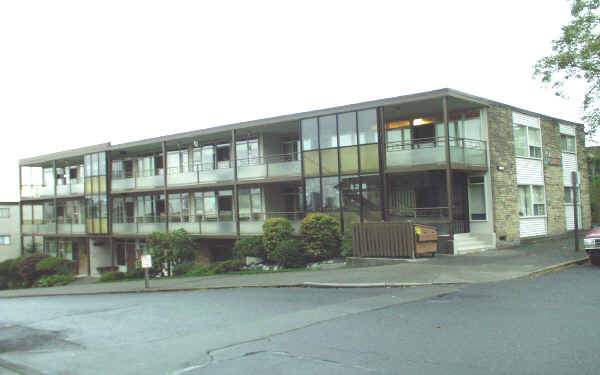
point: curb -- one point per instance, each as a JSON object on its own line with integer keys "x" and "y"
{"x": 307, "y": 284}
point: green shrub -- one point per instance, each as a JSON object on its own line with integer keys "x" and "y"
{"x": 26, "y": 268}
{"x": 53, "y": 265}
{"x": 321, "y": 236}
{"x": 112, "y": 275}
{"x": 56, "y": 280}
{"x": 275, "y": 230}
{"x": 346, "y": 244}
{"x": 200, "y": 270}
{"x": 8, "y": 272}
{"x": 233, "y": 265}
{"x": 182, "y": 269}
{"x": 138, "y": 273}
{"x": 249, "y": 247}
{"x": 289, "y": 254}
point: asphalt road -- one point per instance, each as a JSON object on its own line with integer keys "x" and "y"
{"x": 545, "y": 325}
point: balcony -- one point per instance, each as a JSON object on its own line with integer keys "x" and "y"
{"x": 146, "y": 179}
{"x": 271, "y": 166}
{"x": 254, "y": 225}
{"x": 200, "y": 174}
{"x": 37, "y": 191}
{"x": 71, "y": 228}
{"x": 74, "y": 188}
{"x": 430, "y": 154}
{"x": 48, "y": 227}
{"x": 143, "y": 225}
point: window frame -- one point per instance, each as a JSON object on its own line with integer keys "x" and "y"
{"x": 5, "y": 236}
{"x": 532, "y": 203}
{"x": 566, "y": 137}
{"x": 530, "y": 146}
{"x": 6, "y": 210}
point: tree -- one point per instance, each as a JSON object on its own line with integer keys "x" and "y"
{"x": 170, "y": 249}
{"x": 577, "y": 55}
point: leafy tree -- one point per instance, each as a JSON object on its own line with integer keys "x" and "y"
{"x": 577, "y": 55}
{"x": 170, "y": 249}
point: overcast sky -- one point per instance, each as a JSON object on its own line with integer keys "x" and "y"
{"x": 78, "y": 73}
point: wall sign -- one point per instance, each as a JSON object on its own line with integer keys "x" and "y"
{"x": 553, "y": 158}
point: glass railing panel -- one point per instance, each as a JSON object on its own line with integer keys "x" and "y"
{"x": 28, "y": 228}
{"x": 150, "y": 181}
{"x": 432, "y": 152}
{"x": 64, "y": 228}
{"x": 251, "y": 227}
{"x": 182, "y": 178}
{"x": 124, "y": 227}
{"x": 123, "y": 184}
{"x": 289, "y": 168}
{"x": 252, "y": 171}
{"x": 47, "y": 228}
{"x": 46, "y": 191}
{"x": 77, "y": 189}
{"x": 218, "y": 227}
{"x": 152, "y": 227}
{"x": 63, "y": 190}
{"x": 189, "y": 227}
{"x": 215, "y": 175}
{"x": 78, "y": 228}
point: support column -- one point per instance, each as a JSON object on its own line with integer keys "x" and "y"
{"x": 235, "y": 208}
{"x": 21, "y": 209}
{"x": 303, "y": 180}
{"x": 165, "y": 169}
{"x": 448, "y": 178}
{"x": 382, "y": 162}
{"x": 54, "y": 197}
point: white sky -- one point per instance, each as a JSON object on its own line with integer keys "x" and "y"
{"x": 78, "y": 73}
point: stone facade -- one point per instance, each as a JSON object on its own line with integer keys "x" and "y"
{"x": 584, "y": 179}
{"x": 553, "y": 178}
{"x": 504, "y": 182}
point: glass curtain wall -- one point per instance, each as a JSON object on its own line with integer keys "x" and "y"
{"x": 341, "y": 166}
{"x": 96, "y": 196}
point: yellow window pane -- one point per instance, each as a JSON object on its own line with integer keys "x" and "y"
{"x": 329, "y": 162}
{"x": 369, "y": 158}
{"x": 311, "y": 163}
{"x": 95, "y": 185}
{"x": 88, "y": 186}
{"x": 96, "y": 225}
{"x": 89, "y": 228}
{"x": 102, "y": 181}
{"x": 104, "y": 225}
{"x": 349, "y": 160}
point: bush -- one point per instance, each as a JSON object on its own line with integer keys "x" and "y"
{"x": 26, "y": 268}
{"x": 347, "y": 244}
{"x": 138, "y": 273}
{"x": 289, "y": 254}
{"x": 182, "y": 269}
{"x": 8, "y": 273}
{"x": 200, "y": 270}
{"x": 275, "y": 231}
{"x": 56, "y": 280}
{"x": 113, "y": 275}
{"x": 249, "y": 247}
{"x": 53, "y": 265}
{"x": 321, "y": 236}
{"x": 233, "y": 265}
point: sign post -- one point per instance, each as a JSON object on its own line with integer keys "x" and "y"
{"x": 575, "y": 203}
{"x": 146, "y": 263}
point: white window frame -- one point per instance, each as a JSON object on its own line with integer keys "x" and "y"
{"x": 530, "y": 146}
{"x": 484, "y": 198}
{"x": 2, "y": 210}
{"x": 574, "y": 151}
{"x": 531, "y": 204}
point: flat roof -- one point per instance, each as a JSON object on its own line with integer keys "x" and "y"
{"x": 428, "y": 95}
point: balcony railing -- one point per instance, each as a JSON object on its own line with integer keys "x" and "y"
{"x": 37, "y": 191}
{"x": 150, "y": 178}
{"x": 430, "y": 153}
{"x": 141, "y": 224}
{"x": 282, "y": 165}
{"x": 75, "y": 187}
{"x": 44, "y": 227}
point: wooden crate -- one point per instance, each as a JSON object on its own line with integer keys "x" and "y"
{"x": 427, "y": 239}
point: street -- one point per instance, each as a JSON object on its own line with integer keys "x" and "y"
{"x": 536, "y": 325}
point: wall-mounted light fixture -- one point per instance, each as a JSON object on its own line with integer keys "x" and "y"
{"x": 500, "y": 168}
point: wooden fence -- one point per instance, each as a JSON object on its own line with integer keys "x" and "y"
{"x": 393, "y": 240}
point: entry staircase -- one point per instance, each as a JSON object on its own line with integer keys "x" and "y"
{"x": 465, "y": 243}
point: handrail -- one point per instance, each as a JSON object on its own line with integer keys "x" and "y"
{"x": 431, "y": 142}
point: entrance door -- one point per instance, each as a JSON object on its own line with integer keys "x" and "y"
{"x": 130, "y": 256}
{"x": 82, "y": 256}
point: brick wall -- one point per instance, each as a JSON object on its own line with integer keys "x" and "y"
{"x": 553, "y": 178}
{"x": 504, "y": 183}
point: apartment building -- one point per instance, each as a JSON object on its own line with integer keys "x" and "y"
{"x": 482, "y": 172}
{"x": 10, "y": 234}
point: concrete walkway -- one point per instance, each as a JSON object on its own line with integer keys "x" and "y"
{"x": 488, "y": 266}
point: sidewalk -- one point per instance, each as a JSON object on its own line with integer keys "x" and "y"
{"x": 488, "y": 266}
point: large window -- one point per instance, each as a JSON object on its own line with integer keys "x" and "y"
{"x": 251, "y": 205}
{"x": 532, "y": 201}
{"x": 567, "y": 143}
{"x": 178, "y": 161}
{"x": 367, "y": 126}
{"x": 328, "y": 131}
{"x": 247, "y": 152}
{"x": 310, "y": 134}
{"x": 179, "y": 207}
{"x": 528, "y": 141}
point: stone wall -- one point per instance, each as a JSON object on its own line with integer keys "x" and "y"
{"x": 553, "y": 178}
{"x": 504, "y": 182}
{"x": 584, "y": 179}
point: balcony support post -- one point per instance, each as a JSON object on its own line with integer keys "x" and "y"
{"x": 21, "y": 210}
{"x": 448, "y": 177}
{"x": 109, "y": 202}
{"x": 382, "y": 163}
{"x": 235, "y": 207}
{"x": 165, "y": 166}
{"x": 54, "y": 196}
